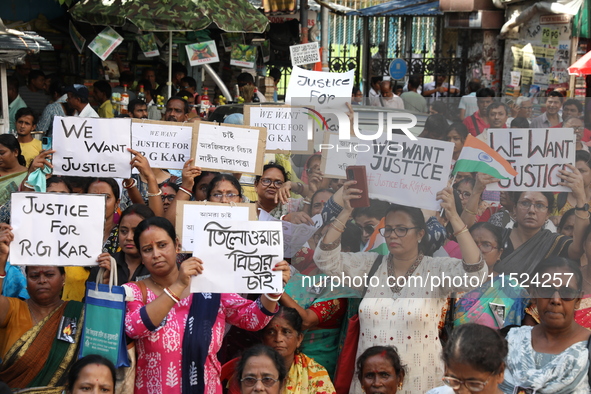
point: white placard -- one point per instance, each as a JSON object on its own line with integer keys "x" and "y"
{"x": 287, "y": 127}
{"x": 337, "y": 155}
{"x": 411, "y": 177}
{"x": 165, "y": 144}
{"x": 202, "y": 53}
{"x": 320, "y": 89}
{"x": 56, "y": 229}
{"x": 238, "y": 257}
{"x": 229, "y": 148}
{"x": 304, "y": 53}
{"x": 91, "y": 147}
{"x": 195, "y": 214}
{"x": 536, "y": 154}
{"x": 515, "y": 78}
{"x": 294, "y": 235}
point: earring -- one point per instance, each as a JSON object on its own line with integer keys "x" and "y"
{"x": 400, "y": 386}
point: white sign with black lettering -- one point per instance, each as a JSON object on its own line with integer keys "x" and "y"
{"x": 320, "y": 89}
{"x": 56, "y": 229}
{"x": 304, "y": 53}
{"x": 165, "y": 144}
{"x": 337, "y": 155}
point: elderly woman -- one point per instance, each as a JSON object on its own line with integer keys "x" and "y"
{"x": 402, "y": 313}
{"x": 380, "y": 370}
{"x": 33, "y": 350}
{"x": 551, "y": 357}
{"x": 260, "y": 369}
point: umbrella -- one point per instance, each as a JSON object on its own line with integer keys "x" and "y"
{"x": 582, "y": 66}
{"x": 236, "y": 16}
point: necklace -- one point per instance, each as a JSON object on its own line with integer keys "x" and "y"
{"x": 35, "y": 315}
{"x": 392, "y": 272}
{"x": 156, "y": 283}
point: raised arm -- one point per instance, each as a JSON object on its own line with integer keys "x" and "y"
{"x": 574, "y": 180}
{"x": 143, "y": 166}
{"x": 6, "y": 238}
{"x": 185, "y": 190}
{"x": 471, "y": 210}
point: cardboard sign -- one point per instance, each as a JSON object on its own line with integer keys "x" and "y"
{"x": 536, "y": 154}
{"x": 229, "y": 148}
{"x": 409, "y": 176}
{"x": 337, "y": 155}
{"x": 193, "y": 214}
{"x": 243, "y": 55}
{"x": 105, "y": 43}
{"x": 166, "y": 144}
{"x": 92, "y": 147}
{"x": 238, "y": 257}
{"x": 304, "y": 53}
{"x": 320, "y": 89}
{"x": 202, "y": 52}
{"x": 287, "y": 127}
{"x": 56, "y": 229}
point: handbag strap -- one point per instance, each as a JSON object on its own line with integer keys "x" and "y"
{"x": 144, "y": 291}
{"x": 113, "y": 275}
{"x": 589, "y": 358}
{"x": 374, "y": 268}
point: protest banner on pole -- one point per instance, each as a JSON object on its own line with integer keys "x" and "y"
{"x": 238, "y": 257}
{"x": 56, "y": 229}
{"x": 193, "y": 214}
{"x": 320, "y": 89}
{"x": 337, "y": 155}
{"x": 287, "y": 127}
{"x": 229, "y": 148}
{"x": 166, "y": 144}
{"x": 91, "y": 147}
{"x": 304, "y": 53}
{"x": 406, "y": 172}
{"x": 536, "y": 154}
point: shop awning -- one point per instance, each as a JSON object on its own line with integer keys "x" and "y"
{"x": 582, "y": 66}
{"x": 16, "y": 44}
{"x": 400, "y": 8}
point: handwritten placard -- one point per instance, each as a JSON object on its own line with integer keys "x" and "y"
{"x": 165, "y": 144}
{"x": 287, "y": 127}
{"x": 320, "y": 89}
{"x": 407, "y": 172}
{"x": 238, "y": 257}
{"x": 92, "y": 147}
{"x": 304, "y": 53}
{"x": 56, "y": 229}
{"x": 230, "y": 148}
{"x": 536, "y": 154}
{"x": 194, "y": 214}
{"x": 337, "y": 155}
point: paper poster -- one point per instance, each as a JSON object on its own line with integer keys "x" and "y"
{"x": 546, "y": 35}
{"x": 56, "y": 228}
{"x": 147, "y": 43}
{"x": 105, "y": 43}
{"x": 229, "y": 39}
{"x": 92, "y": 147}
{"x": 238, "y": 257}
{"x": 166, "y": 144}
{"x": 229, "y": 148}
{"x": 202, "y": 52}
{"x": 77, "y": 38}
{"x": 320, "y": 89}
{"x": 337, "y": 155}
{"x": 287, "y": 127}
{"x": 304, "y": 53}
{"x": 515, "y": 78}
{"x": 193, "y": 214}
{"x": 536, "y": 154}
{"x": 406, "y": 172}
{"x": 264, "y": 47}
{"x": 243, "y": 55}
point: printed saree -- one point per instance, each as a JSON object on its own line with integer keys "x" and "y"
{"x": 9, "y": 184}
{"x": 306, "y": 376}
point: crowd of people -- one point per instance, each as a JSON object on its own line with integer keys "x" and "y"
{"x": 499, "y": 336}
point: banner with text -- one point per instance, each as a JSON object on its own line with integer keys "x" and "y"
{"x": 229, "y": 148}
{"x": 91, "y": 147}
{"x": 536, "y": 154}
{"x": 304, "y": 53}
{"x": 337, "y": 155}
{"x": 56, "y": 229}
{"x": 407, "y": 172}
{"x": 320, "y": 89}
{"x": 287, "y": 127}
{"x": 195, "y": 214}
{"x": 238, "y": 257}
{"x": 165, "y": 144}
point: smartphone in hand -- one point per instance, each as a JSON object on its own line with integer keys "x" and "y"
{"x": 357, "y": 173}
{"x": 46, "y": 143}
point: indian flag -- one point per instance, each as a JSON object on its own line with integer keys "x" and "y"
{"x": 477, "y": 156}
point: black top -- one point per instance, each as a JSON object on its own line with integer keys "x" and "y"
{"x": 140, "y": 273}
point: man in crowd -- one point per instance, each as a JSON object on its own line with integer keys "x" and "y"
{"x": 246, "y": 79}
{"x": 477, "y": 122}
{"x": 498, "y": 113}
{"x": 189, "y": 84}
{"x": 275, "y": 73}
{"x": 468, "y": 104}
{"x": 78, "y": 101}
{"x": 102, "y": 95}
{"x": 374, "y": 92}
{"x": 389, "y": 99}
{"x": 58, "y": 108}
{"x": 573, "y": 108}
{"x": 525, "y": 108}
{"x": 26, "y": 121}
{"x": 149, "y": 74}
{"x": 34, "y": 93}
{"x": 439, "y": 88}
{"x": 15, "y": 101}
{"x": 177, "y": 110}
{"x": 413, "y": 101}
{"x": 551, "y": 117}
{"x": 138, "y": 109}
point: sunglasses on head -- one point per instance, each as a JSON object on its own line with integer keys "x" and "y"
{"x": 565, "y": 293}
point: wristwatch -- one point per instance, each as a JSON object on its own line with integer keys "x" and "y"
{"x": 583, "y": 208}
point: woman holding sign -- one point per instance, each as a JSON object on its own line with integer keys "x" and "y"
{"x": 178, "y": 333}
{"x": 38, "y": 337}
{"x": 397, "y": 311}
{"x": 12, "y": 166}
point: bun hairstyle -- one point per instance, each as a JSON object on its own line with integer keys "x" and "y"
{"x": 10, "y": 142}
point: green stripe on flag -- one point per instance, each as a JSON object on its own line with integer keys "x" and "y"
{"x": 464, "y": 165}
{"x": 381, "y": 249}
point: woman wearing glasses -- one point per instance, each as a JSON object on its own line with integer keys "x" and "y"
{"x": 396, "y": 311}
{"x": 224, "y": 188}
{"x": 551, "y": 357}
{"x": 260, "y": 370}
{"x": 474, "y": 359}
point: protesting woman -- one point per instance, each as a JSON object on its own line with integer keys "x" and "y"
{"x": 12, "y": 166}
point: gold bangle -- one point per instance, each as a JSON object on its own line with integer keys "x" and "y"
{"x": 342, "y": 224}
{"x": 465, "y": 228}
{"x": 336, "y": 228}
{"x": 582, "y": 217}
{"x": 470, "y": 212}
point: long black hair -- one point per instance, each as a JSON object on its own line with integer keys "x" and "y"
{"x": 10, "y": 142}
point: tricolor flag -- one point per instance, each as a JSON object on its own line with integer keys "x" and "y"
{"x": 477, "y": 156}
